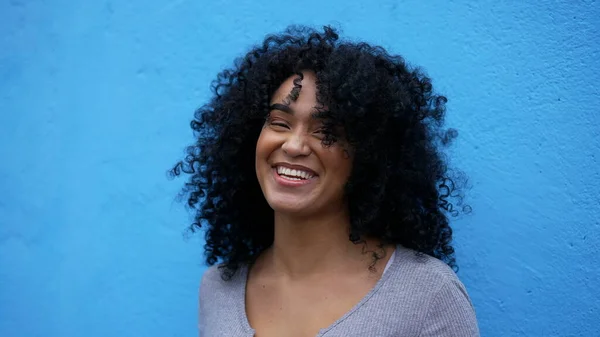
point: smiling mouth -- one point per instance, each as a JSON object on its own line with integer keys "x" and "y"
{"x": 293, "y": 174}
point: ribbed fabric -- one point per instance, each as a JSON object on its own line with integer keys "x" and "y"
{"x": 417, "y": 296}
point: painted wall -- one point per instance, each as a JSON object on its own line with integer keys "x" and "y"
{"x": 95, "y": 101}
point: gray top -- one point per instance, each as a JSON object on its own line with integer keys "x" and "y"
{"x": 417, "y": 296}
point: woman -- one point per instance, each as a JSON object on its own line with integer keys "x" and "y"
{"x": 319, "y": 178}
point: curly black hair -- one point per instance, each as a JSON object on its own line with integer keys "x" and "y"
{"x": 399, "y": 190}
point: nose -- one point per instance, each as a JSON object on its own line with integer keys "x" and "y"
{"x": 296, "y": 145}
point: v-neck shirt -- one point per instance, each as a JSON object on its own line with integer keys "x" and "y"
{"x": 417, "y": 295}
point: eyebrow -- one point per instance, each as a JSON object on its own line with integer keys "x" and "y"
{"x": 288, "y": 110}
{"x": 282, "y": 107}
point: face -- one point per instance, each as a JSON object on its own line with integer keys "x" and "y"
{"x": 297, "y": 174}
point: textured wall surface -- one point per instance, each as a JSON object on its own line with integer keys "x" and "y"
{"x": 95, "y": 101}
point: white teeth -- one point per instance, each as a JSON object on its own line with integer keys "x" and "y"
{"x": 293, "y": 174}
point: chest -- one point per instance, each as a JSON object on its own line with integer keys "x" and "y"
{"x": 301, "y": 309}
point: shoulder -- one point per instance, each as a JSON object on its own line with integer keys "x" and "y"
{"x": 220, "y": 300}
{"x": 211, "y": 277}
{"x": 424, "y": 262}
{"x": 418, "y": 295}
{"x": 209, "y": 283}
{"x": 434, "y": 292}
{"x": 213, "y": 287}
{"x": 422, "y": 270}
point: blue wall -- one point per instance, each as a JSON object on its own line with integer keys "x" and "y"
{"x": 95, "y": 101}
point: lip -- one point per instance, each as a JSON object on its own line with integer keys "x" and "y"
{"x": 288, "y": 182}
{"x": 295, "y": 167}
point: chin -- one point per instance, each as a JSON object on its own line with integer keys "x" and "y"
{"x": 292, "y": 208}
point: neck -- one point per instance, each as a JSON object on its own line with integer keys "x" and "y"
{"x": 309, "y": 246}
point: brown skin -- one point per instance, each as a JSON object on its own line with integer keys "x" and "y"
{"x": 313, "y": 274}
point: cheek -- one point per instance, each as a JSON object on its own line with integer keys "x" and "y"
{"x": 260, "y": 145}
{"x": 340, "y": 162}
{"x": 265, "y": 146}
{"x": 260, "y": 160}
{"x": 346, "y": 167}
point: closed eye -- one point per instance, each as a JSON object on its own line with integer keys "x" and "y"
{"x": 280, "y": 124}
{"x": 320, "y": 133}
{"x": 277, "y": 123}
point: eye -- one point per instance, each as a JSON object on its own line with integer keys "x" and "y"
{"x": 280, "y": 125}
{"x": 320, "y": 132}
{"x": 277, "y": 123}
{"x": 327, "y": 133}
{"x": 324, "y": 129}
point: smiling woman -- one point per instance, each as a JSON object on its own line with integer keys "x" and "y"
{"x": 319, "y": 177}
